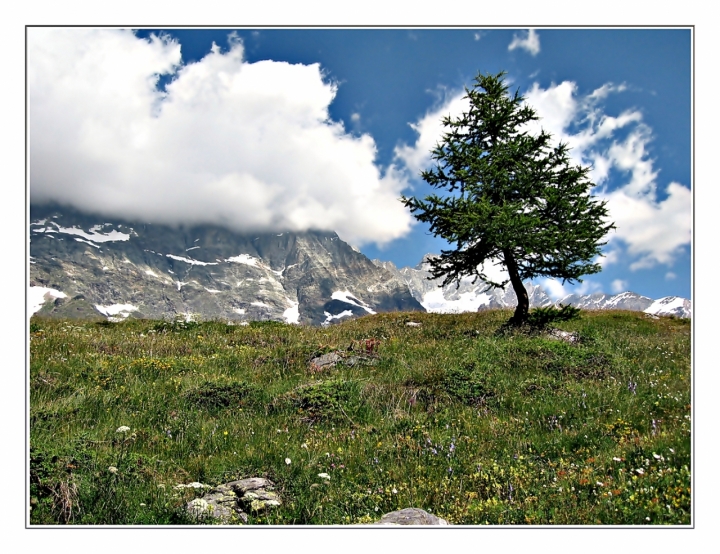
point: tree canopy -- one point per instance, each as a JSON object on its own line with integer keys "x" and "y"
{"x": 512, "y": 197}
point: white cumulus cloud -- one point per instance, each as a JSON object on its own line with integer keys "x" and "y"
{"x": 430, "y": 131}
{"x": 249, "y": 145}
{"x": 653, "y": 224}
{"x": 527, "y": 40}
{"x": 618, "y": 285}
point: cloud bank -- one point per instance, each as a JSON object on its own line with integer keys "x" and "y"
{"x": 653, "y": 225}
{"x": 248, "y": 145}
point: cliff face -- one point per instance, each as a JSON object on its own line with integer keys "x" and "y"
{"x": 113, "y": 268}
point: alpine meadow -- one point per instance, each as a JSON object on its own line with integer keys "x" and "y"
{"x": 236, "y": 310}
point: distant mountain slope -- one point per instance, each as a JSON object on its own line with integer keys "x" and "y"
{"x": 92, "y": 266}
{"x": 472, "y": 297}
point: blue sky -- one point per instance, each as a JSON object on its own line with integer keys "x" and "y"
{"x": 300, "y": 128}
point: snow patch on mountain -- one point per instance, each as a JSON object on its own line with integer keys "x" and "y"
{"x": 329, "y": 317}
{"x": 37, "y": 296}
{"x": 189, "y": 260}
{"x": 88, "y": 242}
{"x": 94, "y": 234}
{"x": 349, "y": 298}
{"x": 435, "y": 302}
{"x": 292, "y": 314}
{"x": 244, "y": 259}
{"x": 116, "y": 312}
{"x": 671, "y": 305}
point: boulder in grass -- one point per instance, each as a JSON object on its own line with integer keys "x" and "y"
{"x": 226, "y": 503}
{"x": 410, "y": 516}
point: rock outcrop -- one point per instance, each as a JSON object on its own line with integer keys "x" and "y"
{"x": 84, "y": 265}
{"x": 231, "y": 502}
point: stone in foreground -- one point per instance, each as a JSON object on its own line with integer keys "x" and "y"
{"x": 410, "y": 516}
{"x": 225, "y": 504}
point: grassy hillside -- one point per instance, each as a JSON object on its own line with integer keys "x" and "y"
{"x": 473, "y": 425}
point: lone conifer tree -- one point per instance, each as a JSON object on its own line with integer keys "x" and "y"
{"x": 514, "y": 198}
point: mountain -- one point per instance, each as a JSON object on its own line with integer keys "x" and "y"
{"x": 86, "y": 266}
{"x": 89, "y": 266}
{"x": 469, "y": 296}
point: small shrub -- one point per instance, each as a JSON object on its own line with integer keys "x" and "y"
{"x": 213, "y": 395}
{"x": 175, "y": 326}
{"x": 541, "y": 318}
{"x": 268, "y": 324}
{"x": 463, "y": 384}
{"x": 319, "y": 401}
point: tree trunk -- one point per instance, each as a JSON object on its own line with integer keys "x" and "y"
{"x": 523, "y": 305}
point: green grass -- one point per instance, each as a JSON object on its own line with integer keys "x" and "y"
{"x": 474, "y": 425}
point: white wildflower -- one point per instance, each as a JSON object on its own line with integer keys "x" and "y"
{"x": 288, "y": 461}
{"x": 616, "y": 459}
{"x": 122, "y": 429}
{"x": 323, "y": 476}
{"x": 113, "y": 469}
{"x": 641, "y": 471}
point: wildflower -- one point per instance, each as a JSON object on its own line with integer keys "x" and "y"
{"x": 225, "y": 432}
{"x": 288, "y": 461}
{"x": 656, "y": 456}
{"x": 632, "y": 387}
{"x": 113, "y": 469}
{"x": 616, "y": 459}
{"x": 394, "y": 490}
{"x": 599, "y": 484}
{"x": 304, "y": 445}
{"x": 641, "y": 471}
{"x": 122, "y": 429}
{"x": 324, "y": 476}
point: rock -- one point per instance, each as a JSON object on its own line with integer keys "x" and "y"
{"x": 225, "y": 503}
{"x": 557, "y": 334}
{"x": 326, "y": 361}
{"x": 410, "y": 516}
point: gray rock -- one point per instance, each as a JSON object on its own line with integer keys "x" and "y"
{"x": 410, "y": 516}
{"x": 326, "y": 361}
{"x": 558, "y": 334}
{"x": 225, "y": 504}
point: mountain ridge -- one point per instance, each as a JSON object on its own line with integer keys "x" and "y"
{"x": 90, "y": 266}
